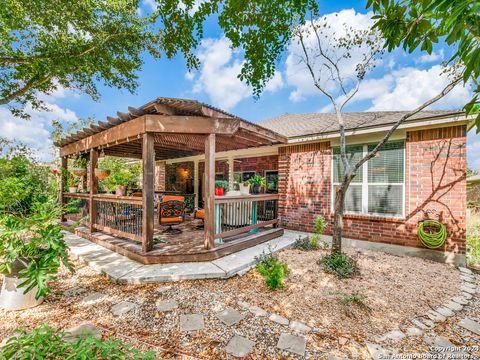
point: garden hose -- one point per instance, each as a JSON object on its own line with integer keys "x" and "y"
{"x": 432, "y": 240}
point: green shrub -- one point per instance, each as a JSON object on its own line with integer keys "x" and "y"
{"x": 48, "y": 343}
{"x": 306, "y": 243}
{"x": 273, "y": 269}
{"x": 37, "y": 240}
{"x": 473, "y": 239}
{"x": 339, "y": 264}
{"x": 319, "y": 225}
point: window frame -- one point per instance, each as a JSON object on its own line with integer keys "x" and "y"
{"x": 365, "y": 184}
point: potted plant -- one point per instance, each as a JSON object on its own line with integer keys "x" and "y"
{"x": 32, "y": 250}
{"x": 257, "y": 182}
{"x": 244, "y": 188}
{"x": 80, "y": 166}
{"x": 70, "y": 181}
{"x": 221, "y": 187}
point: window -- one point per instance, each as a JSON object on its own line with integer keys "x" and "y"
{"x": 271, "y": 180}
{"x": 379, "y": 186}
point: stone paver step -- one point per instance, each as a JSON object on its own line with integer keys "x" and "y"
{"x": 191, "y": 322}
{"x": 292, "y": 343}
{"x": 239, "y": 346}
{"x": 166, "y": 305}
{"x": 470, "y": 325}
{"x": 123, "y": 308}
{"x": 230, "y": 316}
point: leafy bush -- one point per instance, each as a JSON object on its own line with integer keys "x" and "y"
{"x": 339, "y": 264}
{"x": 319, "y": 225}
{"x": 35, "y": 241}
{"x": 357, "y": 297}
{"x": 273, "y": 269}
{"x": 24, "y": 182}
{"x": 306, "y": 243}
{"x": 473, "y": 239}
{"x": 48, "y": 343}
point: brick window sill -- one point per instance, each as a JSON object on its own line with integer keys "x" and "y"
{"x": 374, "y": 218}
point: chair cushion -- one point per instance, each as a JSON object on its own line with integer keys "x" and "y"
{"x": 200, "y": 214}
{"x": 175, "y": 219}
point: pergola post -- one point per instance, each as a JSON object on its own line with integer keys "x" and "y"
{"x": 196, "y": 180}
{"x": 63, "y": 169}
{"x": 209, "y": 191}
{"x": 231, "y": 170}
{"x": 92, "y": 210}
{"x": 148, "y": 209}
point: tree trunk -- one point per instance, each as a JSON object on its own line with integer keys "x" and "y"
{"x": 339, "y": 209}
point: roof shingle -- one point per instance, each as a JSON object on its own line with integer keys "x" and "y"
{"x": 298, "y": 125}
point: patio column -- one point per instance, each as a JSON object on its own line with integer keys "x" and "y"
{"x": 196, "y": 179}
{"x": 63, "y": 169}
{"x": 148, "y": 162}
{"x": 92, "y": 210}
{"x": 231, "y": 170}
{"x": 209, "y": 191}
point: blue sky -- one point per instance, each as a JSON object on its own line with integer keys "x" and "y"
{"x": 401, "y": 81}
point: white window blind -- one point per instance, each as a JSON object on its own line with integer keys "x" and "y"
{"x": 379, "y": 186}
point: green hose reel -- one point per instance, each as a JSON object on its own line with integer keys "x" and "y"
{"x": 432, "y": 233}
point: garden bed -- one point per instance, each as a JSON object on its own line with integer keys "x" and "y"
{"x": 396, "y": 288}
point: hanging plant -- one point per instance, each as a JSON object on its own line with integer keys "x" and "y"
{"x": 80, "y": 165}
{"x": 102, "y": 173}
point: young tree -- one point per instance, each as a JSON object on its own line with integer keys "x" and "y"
{"x": 337, "y": 61}
{"x": 420, "y": 23}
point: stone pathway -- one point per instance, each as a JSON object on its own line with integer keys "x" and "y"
{"x": 292, "y": 341}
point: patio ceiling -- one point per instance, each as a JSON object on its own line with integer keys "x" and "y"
{"x": 180, "y": 128}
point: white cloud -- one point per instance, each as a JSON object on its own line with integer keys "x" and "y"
{"x": 409, "y": 87}
{"x": 218, "y": 75}
{"x": 338, "y": 25}
{"x": 151, "y": 4}
{"x": 35, "y": 132}
{"x": 433, "y": 57}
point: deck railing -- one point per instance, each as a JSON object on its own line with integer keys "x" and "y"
{"x": 77, "y": 207}
{"x": 114, "y": 215}
{"x": 235, "y": 215}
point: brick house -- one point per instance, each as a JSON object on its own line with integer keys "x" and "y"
{"x": 419, "y": 174}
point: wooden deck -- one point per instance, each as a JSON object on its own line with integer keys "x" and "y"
{"x": 187, "y": 246}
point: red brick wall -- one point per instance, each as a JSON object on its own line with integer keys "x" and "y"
{"x": 180, "y": 171}
{"x": 435, "y": 187}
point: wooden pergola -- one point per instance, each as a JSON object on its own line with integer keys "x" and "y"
{"x": 165, "y": 128}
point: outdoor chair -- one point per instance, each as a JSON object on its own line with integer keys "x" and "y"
{"x": 199, "y": 214}
{"x": 171, "y": 211}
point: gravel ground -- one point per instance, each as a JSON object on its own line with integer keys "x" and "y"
{"x": 397, "y": 289}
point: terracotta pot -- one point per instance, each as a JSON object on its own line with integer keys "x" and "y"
{"x": 102, "y": 173}
{"x": 79, "y": 171}
{"x": 219, "y": 191}
{"x": 72, "y": 189}
{"x": 121, "y": 190}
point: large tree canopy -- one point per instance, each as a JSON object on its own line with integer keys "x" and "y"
{"x": 421, "y": 23}
{"x": 45, "y": 44}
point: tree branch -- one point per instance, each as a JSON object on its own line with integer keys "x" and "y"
{"x": 444, "y": 92}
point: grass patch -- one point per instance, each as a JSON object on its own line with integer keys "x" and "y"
{"x": 339, "y": 264}
{"x": 357, "y": 297}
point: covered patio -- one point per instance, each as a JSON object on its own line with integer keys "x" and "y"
{"x": 160, "y": 130}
